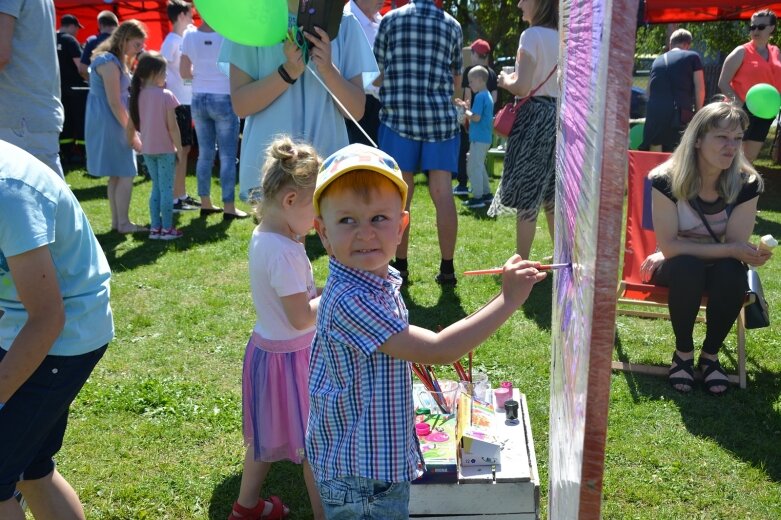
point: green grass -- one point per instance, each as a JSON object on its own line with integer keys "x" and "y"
{"x": 156, "y": 432}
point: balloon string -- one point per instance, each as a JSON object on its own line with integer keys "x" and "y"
{"x": 344, "y": 110}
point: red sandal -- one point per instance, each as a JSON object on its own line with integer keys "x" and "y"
{"x": 277, "y": 512}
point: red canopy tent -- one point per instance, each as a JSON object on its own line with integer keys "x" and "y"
{"x": 677, "y": 11}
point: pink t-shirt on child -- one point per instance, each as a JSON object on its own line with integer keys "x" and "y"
{"x": 153, "y": 106}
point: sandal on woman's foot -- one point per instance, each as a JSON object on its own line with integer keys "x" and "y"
{"x": 685, "y": 365}
{"x": 711, "y": 366}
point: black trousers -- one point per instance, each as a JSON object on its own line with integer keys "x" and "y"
{"x": 369, "y": 122}
{"x": 688, "y": 277}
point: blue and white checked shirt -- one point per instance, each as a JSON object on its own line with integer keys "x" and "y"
{"x": 418, "y": 48}
{"x": 361, "y": 417}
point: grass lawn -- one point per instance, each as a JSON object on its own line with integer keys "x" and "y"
{"x": 156, "y": 432}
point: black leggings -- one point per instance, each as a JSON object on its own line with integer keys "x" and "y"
{"x": 688, "y": 277}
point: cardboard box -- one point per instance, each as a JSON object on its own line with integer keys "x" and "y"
{"x": 478, "y": 446}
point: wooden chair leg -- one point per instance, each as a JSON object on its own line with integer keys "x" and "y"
{"x": 742, "y": 348}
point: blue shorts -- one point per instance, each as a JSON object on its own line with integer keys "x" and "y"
{"x": 32, "y": 422}
{"x": 420, "y": 156}
{"x": 358, "y": 497}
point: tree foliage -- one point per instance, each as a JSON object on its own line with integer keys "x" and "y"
{"x": 496, "y": 21}
{"x": 711, "y": 39}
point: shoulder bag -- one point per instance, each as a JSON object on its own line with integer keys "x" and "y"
{"x": 757, "y": 314}
{"x": 504, "y": 119}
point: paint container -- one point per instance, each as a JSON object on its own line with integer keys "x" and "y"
{"x": 422, "y": 429}
{"x": 511, "y": 411}
{"x": 501, "y": 395}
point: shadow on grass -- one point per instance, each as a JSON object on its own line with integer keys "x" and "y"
{"x": 744, "y": 422}
{"x": 538, "y": 306}
{"x": 314, "y": 247}
{"x": 286, "y": 480}
{"x": 446, "y": 310}
{"x": 148, "y": 251}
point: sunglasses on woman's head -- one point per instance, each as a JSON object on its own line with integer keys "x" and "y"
{"x": 757, "y": 27}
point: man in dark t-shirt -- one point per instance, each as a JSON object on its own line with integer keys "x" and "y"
{"x": 107, "y": 22}
{"x": 676, "y": 90}
{"x": 72, "y": 92}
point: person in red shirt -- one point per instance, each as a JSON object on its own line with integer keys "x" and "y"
{"x": 749, "y": 64}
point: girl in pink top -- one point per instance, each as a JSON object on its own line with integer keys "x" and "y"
{"x": 275, "y": 381}
{"x": 153, "y": 116}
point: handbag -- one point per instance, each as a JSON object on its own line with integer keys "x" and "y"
{"x": 504, "y": 119}
{"x": 757, "y": 313}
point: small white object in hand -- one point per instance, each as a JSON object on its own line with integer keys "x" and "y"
{"x": 767, "y": 242}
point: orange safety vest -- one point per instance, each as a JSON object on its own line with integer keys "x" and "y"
{"x": 755, "y": 69}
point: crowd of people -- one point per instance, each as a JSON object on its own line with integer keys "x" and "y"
{"x": 322, "y": 362}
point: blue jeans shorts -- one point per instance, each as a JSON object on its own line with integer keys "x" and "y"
{"x": 415, "y": 156}
{"x": 33, "y": 421}
{"x": 354, "y": 498}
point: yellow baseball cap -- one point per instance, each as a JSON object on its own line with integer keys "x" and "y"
{"x": 357, "y": 157}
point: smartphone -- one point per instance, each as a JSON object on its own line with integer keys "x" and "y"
{"x": 325, "y": 14}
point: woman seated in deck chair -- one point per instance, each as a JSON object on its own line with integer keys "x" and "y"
{"x": 704, "y": 203}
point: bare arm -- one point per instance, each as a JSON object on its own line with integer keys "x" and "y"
{"x": 728, "y": 70}
{"x": 300, "y": 311}
{"x": 424, "y": 346}
{"x": 110, "y": 74}
{"x": 36, "y": 283}
{"x": 519, "y": 83}
{"x": 699, "y": 89}
{"x": 739, "y": 228}
{"x": 173, "y": 128}
{"x": 7, "y": 26}
{"x": 348, "y": 92}
{"x": 83, "y": 70}
{"x": 185, "y": 67}
{"x": 457, "y": 78}
{"x": 250, "y": 96}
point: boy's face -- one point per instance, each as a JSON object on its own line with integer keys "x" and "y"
{"x": 363, "y": 234}
{"x": 476, "y": 84}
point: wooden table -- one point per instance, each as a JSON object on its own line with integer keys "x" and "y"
{"x": 510, "y": 491}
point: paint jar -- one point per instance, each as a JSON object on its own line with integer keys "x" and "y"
{"x": 422, "y": 429}
{"x": 501, "y": 395}
{"x": 511, "y": 411}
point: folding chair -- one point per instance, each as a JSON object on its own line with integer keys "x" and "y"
{"x": 640, "y": 241}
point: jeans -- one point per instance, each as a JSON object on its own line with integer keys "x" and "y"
{"x": 356, "y": 498}
{"x": 216, "y": 124}
{"x": 161, "y": 170}
{"x": 475, "y": 168}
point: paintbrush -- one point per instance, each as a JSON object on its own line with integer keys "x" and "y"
{"x": 498, "y": 270}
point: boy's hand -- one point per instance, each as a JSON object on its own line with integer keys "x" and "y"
{"x": 518, "y": 278}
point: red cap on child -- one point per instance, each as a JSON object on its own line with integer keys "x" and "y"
{"x": 481, "y": 47}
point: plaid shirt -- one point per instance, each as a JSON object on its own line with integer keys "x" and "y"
{"x": 361, "y": 418}
{"x": 418, "y": 49}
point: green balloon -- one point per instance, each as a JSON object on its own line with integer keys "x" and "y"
{"x": 763, "y": 100}
{"x": 636, "y": 136}
{"x": 260, "y": 23}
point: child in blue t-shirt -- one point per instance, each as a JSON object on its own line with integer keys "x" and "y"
{"x": 480, "y": 118}
{"x": 360, "y": 439}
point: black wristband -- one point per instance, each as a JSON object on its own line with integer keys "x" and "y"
{"x": 285, "y": 76}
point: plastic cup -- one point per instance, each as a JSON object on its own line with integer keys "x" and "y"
{"x": 440, "y": 402}
{"x": 502, "y": 395}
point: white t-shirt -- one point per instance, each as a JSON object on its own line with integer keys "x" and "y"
{"x": 172, "y": 52}
{"x": 203, "y": 48}
{"x": 369, "y": 26}
{"x": 278, "y": 266}
{"x": 542, "y": 43}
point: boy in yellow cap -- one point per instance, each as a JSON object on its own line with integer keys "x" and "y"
{"x": 360, "y": 440}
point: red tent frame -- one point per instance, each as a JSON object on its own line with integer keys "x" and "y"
{"x": 676, "y": 11}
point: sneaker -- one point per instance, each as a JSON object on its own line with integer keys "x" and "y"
{"x": 191, "y": 201}
{"x": 181, "y": 205}
{"x": 460, "y": 190}
{"x": 446, "y": 279}
{"x": 488, "y": 197}
{"x": 154, "y": 233}
{"x": 474, "y": 203}
{"x": 170, "y": 234}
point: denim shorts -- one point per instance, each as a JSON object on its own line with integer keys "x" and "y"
{"x": 348, "y": 498}
{"x": 33, "y": 421}
{"x": 416, "y": 156}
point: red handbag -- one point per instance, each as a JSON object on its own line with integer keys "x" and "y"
{"x": 504, "y": 119}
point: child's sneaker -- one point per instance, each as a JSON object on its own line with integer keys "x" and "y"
{"x": 460, "y": 189}
{"x": 154, "y": 233}
{"x": 475, "y": 203}
{"x": 170, "y": 234}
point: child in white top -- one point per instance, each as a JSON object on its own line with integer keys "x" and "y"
{"x": 275, "y": 391}
{"x": 153, "y": 116}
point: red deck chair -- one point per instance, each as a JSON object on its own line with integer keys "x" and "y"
{"x": 640, "y": 241}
